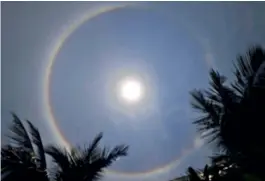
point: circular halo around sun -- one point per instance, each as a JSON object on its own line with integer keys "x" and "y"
{"x": 130, "y": 90}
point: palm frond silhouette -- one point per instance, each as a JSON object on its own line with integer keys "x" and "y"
{"x": 84, "y": 164}
{"x": 232, "y": 114}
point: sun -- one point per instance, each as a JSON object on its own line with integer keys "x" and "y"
{"x": 131, "y": 90}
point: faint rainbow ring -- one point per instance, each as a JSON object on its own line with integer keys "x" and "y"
{"x": 48, "y": 108}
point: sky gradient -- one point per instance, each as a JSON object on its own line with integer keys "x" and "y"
{"x": 171, "y": 46}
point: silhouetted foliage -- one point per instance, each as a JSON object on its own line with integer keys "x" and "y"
{"x": 19, "y": 160}
{"x": 24, "y": 158}
{"x": 215, "y": 172}
{"x": 84, "y": 164}
{"x": 233, "y": 114}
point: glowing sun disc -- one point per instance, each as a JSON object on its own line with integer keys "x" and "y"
{"x": 131, "y": 90}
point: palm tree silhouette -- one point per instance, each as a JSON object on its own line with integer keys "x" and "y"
{"x": 233, "y": 114}
{"x": 24, "y": 158}
{"x": 84, "y": 164}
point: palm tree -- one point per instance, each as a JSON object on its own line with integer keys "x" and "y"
{"x": 84, "y": 164}
{"x": 233, "y": 114}
{"x": 24, "y": 158}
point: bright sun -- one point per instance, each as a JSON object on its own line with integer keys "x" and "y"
{"x": 131, "y": 91}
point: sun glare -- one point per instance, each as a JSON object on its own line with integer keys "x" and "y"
{"x": 131, "y": 91}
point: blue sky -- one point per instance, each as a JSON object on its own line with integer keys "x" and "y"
{"x": 171, "y": 45}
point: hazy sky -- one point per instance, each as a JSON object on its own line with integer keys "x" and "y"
{"x": 171, "y": 46}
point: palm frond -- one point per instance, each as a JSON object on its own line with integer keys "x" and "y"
{"x": 15, "y": 160}
{"x": 227, "y": 110}
{"x": 257, "y": 57}
{"x": 247, "y": 68}
{"x": 259, "y": 79}
{"x": 19, "y": 134}
{"x": 214, "y": 103}
{"x": 59, "y": 155}
{"x": 116, "y": 152}
{"x": 18, "y": 159}
{"x": 105, "y": 159}
{"x": 36, "y": 138}
{"x": 211, "y": 116}
{"x": 219, "y": 92}
{"x": 92, "y": 152}
{"x": 84, "y": 164}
